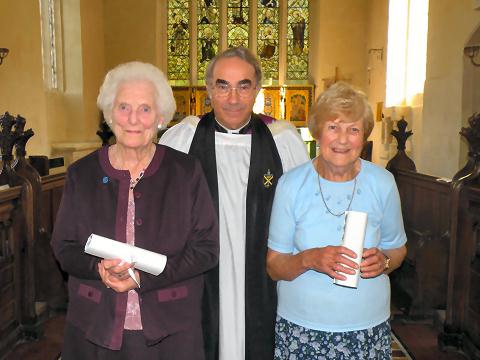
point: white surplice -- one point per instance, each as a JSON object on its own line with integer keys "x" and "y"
{"x": 233, "y": 160}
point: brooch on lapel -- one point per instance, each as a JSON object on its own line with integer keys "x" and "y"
{"x": 105, "y": 179}
{"x": 268, "y": 179}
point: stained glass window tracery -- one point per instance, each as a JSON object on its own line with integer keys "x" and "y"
{"x": 267, "y": 37}
{"x": 178, "y": 33}
{"x": 208, "y": 18}
{"x": 237, "y": 23}
{"x": 297, "y": 40}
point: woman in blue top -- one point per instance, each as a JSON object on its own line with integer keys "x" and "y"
{"x": 316, "y": 318}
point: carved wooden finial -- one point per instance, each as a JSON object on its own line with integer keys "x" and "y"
{"x": 105, "y": 133}
{"x": 22, "y": 136}
{"x": 7, "y": 141}
{"x": 401, "y": 160}
{"x": 471, "y": 170}
{"x": 21, "y": 143}
{"x": 472, "y": 135}
{"x": 7, "y": 136}
{"x": 401, "y": 135}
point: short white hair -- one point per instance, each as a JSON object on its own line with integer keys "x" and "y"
{"x": 137, "y": 71}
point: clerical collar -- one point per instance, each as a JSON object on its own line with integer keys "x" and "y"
{"x": 245, "y": 129}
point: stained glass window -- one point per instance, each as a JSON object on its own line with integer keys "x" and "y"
{"x": 237, "y": 23}
{"x": 178, "y": 41}
{"x": 271, "y": 22}
{"x": 267, "y": 37}
{"x": 208, "y": 34}
{"x": 297, "y": 40}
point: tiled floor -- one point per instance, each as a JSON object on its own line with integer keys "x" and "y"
{"x": 420, "y": 339}
{"x": 398, "y": 350}
{"x": 47, "y": 348}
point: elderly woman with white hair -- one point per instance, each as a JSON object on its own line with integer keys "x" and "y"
{"x": 146, "y": 195}
{"x": 318, "y": 319}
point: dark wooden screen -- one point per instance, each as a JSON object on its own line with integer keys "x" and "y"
{"x": 419, "y": 286}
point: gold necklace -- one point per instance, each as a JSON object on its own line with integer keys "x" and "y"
{"x": 325, "y": 203}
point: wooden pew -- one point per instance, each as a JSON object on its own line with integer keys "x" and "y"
{"x": 462, "y": 324}
{"x": 419, "y": 286}
{"x": 28, "y": 204}
{"x": 50, "y": 280}
{"x": 442, "y": 268}
{"x": 15, "y": 308}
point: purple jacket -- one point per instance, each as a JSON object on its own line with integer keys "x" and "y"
{"x": 174, "y": 215}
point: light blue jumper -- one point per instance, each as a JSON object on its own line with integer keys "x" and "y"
{"x": 300, "y": 221}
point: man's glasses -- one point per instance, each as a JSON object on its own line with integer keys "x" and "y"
{"x": 223, "y": 90}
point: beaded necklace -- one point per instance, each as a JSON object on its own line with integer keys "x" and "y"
{"x": 133, "y": 182}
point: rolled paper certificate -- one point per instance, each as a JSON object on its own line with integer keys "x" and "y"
{"x": 144, "y": 260}
{"x": 353, "y": 238}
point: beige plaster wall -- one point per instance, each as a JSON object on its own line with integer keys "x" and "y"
{"x": 451, "y": 24}
{"x": 449, "y": 94}
{"x": 65, "y": 107}
{"x": 130, "y": 31}
{"x": 102, "y": 34}
{"x": 377, "y": 32}
{"x": 21, "y": 81}
{"x": 93, "y": 64}
{"x": 338, "y": 38}
{"x": 66, "y": 115}
{"x": 74, "y": 111}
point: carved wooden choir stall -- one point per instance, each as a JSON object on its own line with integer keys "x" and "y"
{"x": 441, "y": 272}
{"x": 30, "y": 281}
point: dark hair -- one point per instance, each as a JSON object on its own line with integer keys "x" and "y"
{"x": 240, "y": 52}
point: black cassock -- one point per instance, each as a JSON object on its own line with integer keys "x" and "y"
{"x": 260, "y": 290}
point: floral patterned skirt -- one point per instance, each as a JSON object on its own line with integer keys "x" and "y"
{"x": 294, "y": 342}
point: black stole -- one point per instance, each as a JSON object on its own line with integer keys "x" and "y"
{"x": 260, "y": 290}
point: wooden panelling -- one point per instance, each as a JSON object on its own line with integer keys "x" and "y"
{"x": 29, "y": 275}
{"x": 11, "y": 269}
{"x": 50, "y": 281}
{"x": 419, "y": 286}
{"x": 462, "y": 325}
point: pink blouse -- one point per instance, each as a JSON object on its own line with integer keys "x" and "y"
{"x": 133, "y": 320}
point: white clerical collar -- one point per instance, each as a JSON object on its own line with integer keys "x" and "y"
{"x": 233, "y": 131}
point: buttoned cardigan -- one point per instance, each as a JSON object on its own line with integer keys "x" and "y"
{"x": 174, "y": 216}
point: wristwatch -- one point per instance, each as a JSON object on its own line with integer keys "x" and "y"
{"x": 387, "y": 262}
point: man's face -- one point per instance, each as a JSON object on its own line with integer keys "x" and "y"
{"x": 233, "y": 91}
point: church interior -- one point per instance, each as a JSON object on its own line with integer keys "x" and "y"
{"x": 416, "y": 60}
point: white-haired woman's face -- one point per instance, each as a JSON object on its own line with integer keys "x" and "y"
{"x": 134, "y": 114}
